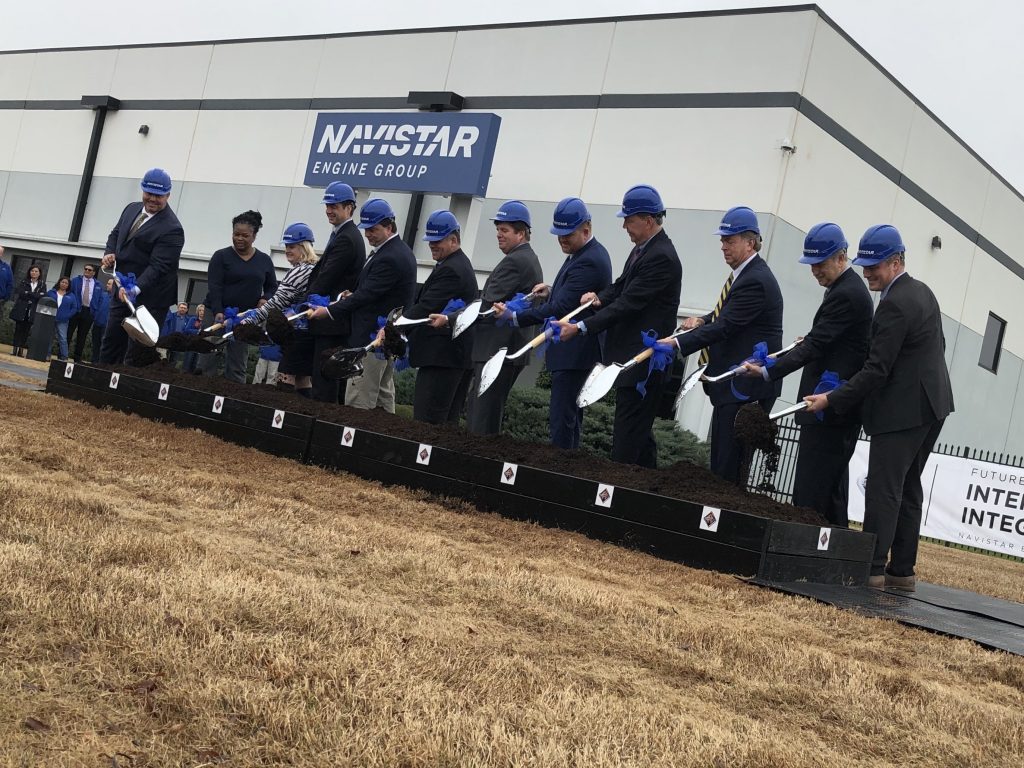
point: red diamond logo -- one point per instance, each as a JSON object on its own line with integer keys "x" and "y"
{"x": 163, "y": 391}
{"x": 824, "y": 538}
{"x": 219, "y": 402}
{"x": 604, "y": 495}
{"x": 509, "y": 473}
{"x": 424, "y": 453}
{"x": 709, "y": 519}
{"x": 277, "y": 419}
{"x": 347, "y": 437}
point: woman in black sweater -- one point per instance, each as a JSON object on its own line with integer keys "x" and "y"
{"x": 28, "y": 293}
{"x": 241, "y": 277}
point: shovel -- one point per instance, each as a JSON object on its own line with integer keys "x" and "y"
{"x": 348, "y": 363}
{"x": 469, "y": 315}
{"x": 492, "y": 367}
{"x": 140, "y": 325}
{"x": 602, "y": 378}
{"x": 698, "y": 375}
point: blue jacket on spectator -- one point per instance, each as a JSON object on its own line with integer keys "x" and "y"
{"x": 6, "y": 281}
{"x": 101, "y": 308}
{"x": 97, "y": 290}
{"x": 68, "y": 306}
{"x": 270, "y": 352}
{"x": 175, "y": 323}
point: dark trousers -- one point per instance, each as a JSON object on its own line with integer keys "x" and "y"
{"x": 21, "y": 331}
{"x": 726, "y": 450}
{"x": 325, "y": 390}
{"x": 633, "y": 436}
{"x": 565, "y": 417}
{"x": 484, "y": 412}
{"x": 78, "y": 327}
{"x": 440, "y": 394}
{"x": 97, "y": 341}
{"x": 822, "y": 479}
{"x": 116, "y": 343}
{"x": 893, "y": 496}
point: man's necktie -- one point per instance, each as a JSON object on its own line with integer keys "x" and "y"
{"x": 704, "y": 357}
{"x": 137, "y": 224}
{"x": 86, "y": 293}
{"x": 633, "y": 256}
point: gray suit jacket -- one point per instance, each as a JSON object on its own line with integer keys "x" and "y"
{"x": 518, "y": 272}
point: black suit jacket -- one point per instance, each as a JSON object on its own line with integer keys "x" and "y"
{"x": 336, "y": 271}
{"x": 152, "y": 253}
{"x": 644, "y": 297}
{"x": 518, "y": 272}
{"x": 751, "y": 313}
{"x": 25, "y": 300}
{"x": 452, "y": 278}
{"x": 837, "y": 341}
{"x": 589, "y": 269}
{"x": 904, "y": 382}
{"x": 387, "y": 280}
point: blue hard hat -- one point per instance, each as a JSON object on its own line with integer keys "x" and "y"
{"x": 822, "y": 241}
{"x": 440, "y": 224}
{"x": 736, "y": 220}
{"x": 513, "y": 210}
{"x": 570, "y": 214}
{"x": 374, "y": 212}
{"x": 643, "y": 198}
{"x": 338, "y": 192}
{"x": 297, "y": 233}
{"x": 878, "y": 244}
{"x": 157, "y": 181}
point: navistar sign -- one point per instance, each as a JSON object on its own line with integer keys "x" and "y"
{"x": 422, "y": 152}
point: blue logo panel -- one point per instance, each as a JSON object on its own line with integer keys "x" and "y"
{"x": 449, "y": 153}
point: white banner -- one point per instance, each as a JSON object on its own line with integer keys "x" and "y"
{"x": 973, "y": 503}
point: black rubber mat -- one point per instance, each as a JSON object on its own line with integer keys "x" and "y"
{"x": 968, "y": 602}
{"x": 916, "y": 612}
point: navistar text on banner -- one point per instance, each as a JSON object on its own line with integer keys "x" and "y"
{"x": 409, "y": 152}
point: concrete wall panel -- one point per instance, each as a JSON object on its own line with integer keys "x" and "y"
{"x": 52, "y": 141}
{"x": 400, "y": 64}
{"x": 72, "y": 74}
{"x": 181, "y": 71}
{"x": 256, "y": 147}
{"x": 723, "y": 54}
{"x": 39, "y": 204}
{"x": 16, "y": 75}
{"x": 265, "y": 70}
{"x": 126, "y": 152}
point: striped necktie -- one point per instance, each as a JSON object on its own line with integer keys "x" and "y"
{"x": 137, "y": 224}
{"x": 704, "y": 356}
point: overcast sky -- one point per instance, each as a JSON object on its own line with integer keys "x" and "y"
{"x": 964, "y": 61}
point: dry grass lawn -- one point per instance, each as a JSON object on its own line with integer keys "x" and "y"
{"x": 168, "y": 599}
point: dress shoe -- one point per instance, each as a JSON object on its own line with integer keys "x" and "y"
{"x": 902, "y": 583}
{"x": 876, "y": 581}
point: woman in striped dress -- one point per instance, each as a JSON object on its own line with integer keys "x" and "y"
{"x": 298, "y": 249}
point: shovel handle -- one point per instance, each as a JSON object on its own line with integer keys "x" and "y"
{"x": 802, "y": 405}
{"x": 541, "y": 337}
{"x": 113, "y": 274}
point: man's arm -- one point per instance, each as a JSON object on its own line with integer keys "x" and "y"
{"x": 442, "y": 287}
{"x": 834, "y": 322}
{"x": 745, "y": 303}
{"x": 163, "y": 260}
{"x": 889, "y": 330}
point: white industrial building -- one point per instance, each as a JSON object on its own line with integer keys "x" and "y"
{"x": 798, "y": 122}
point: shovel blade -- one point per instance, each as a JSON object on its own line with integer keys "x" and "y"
{"x": 467, "y": 317}
{"x": 134, "y": 327}
{"x": 343, "y": 364}
{"x": 688, "y": 383}
{"x": 599, "y": 386}
{"x": 491, "y": 369}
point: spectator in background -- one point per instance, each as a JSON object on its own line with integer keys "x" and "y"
{"x": 6, "y": 282}
{"x": 67, "y": 308}
{"x": 242, "y": 277}
{"x": 100, "y": 313}
{"x": 178, "y": 320}
{"x": 193, "y": 360}
{"x": 30, "y": 290}
{"x": 86, "y": 290}
{"x": 266, "y": 366}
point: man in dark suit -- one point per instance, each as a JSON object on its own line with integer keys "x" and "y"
{"x": 336, "y": 272}
{"x": 587, "y": 269}
{"x": 644, "y": 297}
{"x": 87, "y": 290}
{"x": 147, "y": 241}
{"x": 387, "y": 281}
{"x": 445, "y": 365}
{"x": 517, "y": 272}
{"x": 837, "y": 342}
{"x": 749, "y": 311}
{"x": 904, "y": 395}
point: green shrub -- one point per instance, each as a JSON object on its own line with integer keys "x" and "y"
{"x": 405, "y": 386}
{"x": 526, "y": 418}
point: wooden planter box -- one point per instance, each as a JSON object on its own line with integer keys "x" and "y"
{"x": 674, "y": 529}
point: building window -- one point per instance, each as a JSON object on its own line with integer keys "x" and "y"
{"x": 992, "y": 344}
{"x": 20, "y": 265}
{"x": 196, "y": 292}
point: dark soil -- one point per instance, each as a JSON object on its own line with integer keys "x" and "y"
{"x": 279, "y": 329}
{"x": 682, "y": 480}
{"x": 250, "y": 333}
{"x": 184, "y": 342}
{"x": 754, "y": 429}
